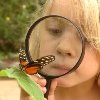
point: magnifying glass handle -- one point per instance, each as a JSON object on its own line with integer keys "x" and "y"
{"x": 48, "y": 88}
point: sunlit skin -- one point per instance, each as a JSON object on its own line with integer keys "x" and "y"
{"x": 60, "y": 32}
{"x": 81, "y": 80}
{"x": 80, "y": 84}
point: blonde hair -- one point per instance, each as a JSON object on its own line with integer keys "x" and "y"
{"x": 34, "y": 44}
{"x": 86, "y": 15}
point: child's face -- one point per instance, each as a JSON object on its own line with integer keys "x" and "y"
{"x": 67, "y": 51}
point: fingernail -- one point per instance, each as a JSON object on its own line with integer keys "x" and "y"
{"x": 43, "y": 81}
{"x": 44, "y": 89}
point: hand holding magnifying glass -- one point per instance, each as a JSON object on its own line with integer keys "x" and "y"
{"x": 55, "y": 29}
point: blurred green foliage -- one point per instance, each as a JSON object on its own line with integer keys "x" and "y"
{"x": 15, "y": 17}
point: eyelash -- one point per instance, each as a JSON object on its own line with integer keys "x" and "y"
{"x": 55, "y": 32}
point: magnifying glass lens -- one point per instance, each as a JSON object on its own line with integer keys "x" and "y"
{"x": 58, "y": 43}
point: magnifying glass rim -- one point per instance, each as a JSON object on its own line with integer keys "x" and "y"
{"x": 27, "y": 45}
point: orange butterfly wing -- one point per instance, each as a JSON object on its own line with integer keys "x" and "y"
{"x": 22, "y": 58}
{"x": 32, "y": 68}
{"x": 24, "y": 63}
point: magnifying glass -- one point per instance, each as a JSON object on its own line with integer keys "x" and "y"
{"x": 56, "y": 30}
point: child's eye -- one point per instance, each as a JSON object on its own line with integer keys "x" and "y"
{"x": 54, "y": 31}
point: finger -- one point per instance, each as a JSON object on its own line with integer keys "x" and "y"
{"x": 41, "y": 82}
{"x": 43, "y": 89}
{"x": 38, "y": 79}
{"x": 35, "y": 78}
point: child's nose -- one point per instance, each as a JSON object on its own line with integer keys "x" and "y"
{"x": 65, "y": 48}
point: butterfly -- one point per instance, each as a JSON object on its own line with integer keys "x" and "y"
{"x": 34, "y": 66}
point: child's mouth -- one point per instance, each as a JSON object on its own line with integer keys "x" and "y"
{"x": 60, "y": 70}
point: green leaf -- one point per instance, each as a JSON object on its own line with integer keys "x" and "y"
{"x": 24, "y": 81}
{"x": 3, "y": 73}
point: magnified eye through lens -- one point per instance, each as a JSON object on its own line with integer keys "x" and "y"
{"x": 57, "y": 36}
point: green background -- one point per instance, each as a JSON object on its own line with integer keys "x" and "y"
{"x": 15, "y": 18}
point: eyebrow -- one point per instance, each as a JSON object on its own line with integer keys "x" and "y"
{"x": 55, "y": 21}
{"x": 59, "y": 20}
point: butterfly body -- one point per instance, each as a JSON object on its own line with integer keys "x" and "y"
{"x": 34, "y": 66}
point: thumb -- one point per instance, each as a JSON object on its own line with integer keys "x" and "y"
{"x": 52, "y": 88}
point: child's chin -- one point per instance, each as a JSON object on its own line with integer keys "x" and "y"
{"x": 64, "y": 83}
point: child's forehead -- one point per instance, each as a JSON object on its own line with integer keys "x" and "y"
{"x": 59, "y": 8}
{"x": 66, "y": 8}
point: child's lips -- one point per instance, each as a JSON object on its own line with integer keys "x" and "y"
{"x": 61, "y": 69}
